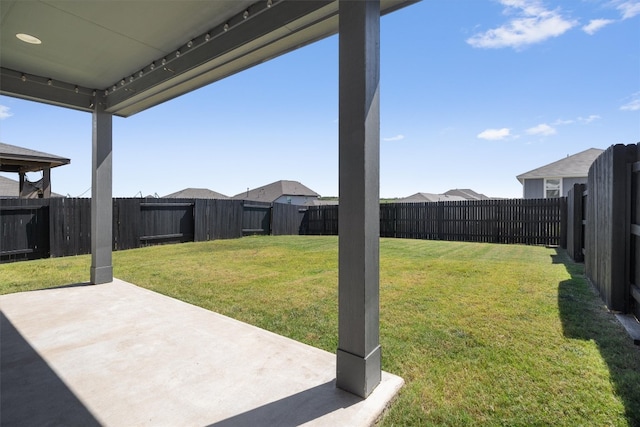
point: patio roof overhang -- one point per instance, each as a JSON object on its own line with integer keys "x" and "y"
{"x": 112, "y": 57}
{"x": 138, "y": 54}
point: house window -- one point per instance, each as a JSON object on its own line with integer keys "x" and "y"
{"x": 552, "y": 188}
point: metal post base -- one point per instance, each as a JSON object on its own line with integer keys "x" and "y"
{"x": 358, "y": 375}
{"x": 101, "y": 275}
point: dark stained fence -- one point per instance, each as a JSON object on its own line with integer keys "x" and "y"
{"x": 70, "y": 226}
{"x": 576, "y": 222}
{"x": 612, "y": 231}
{"x": 166, "y": 221}
{"x": 218, "y": 219}
{"x": 127, "y": 227}
{"x": 321, "y": 220}
{"x": 24, "y": 229}
{"x": 39, "y": 228}
{"x": 633, "y": 258}
{"x": 65, "y": 225}
{"x": 525, "y": 221}
{"x": 286, "y": 219}
{"x": 256, "y": 218}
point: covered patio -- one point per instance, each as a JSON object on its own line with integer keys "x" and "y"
{"x": 119, "y": 59}
{"x": 120, "y": 355}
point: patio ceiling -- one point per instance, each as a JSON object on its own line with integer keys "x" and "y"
{"x": 138, "y": 54}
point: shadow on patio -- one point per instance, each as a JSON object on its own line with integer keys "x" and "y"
{"x": 32, "y": 393}
{"x": 120, "y": 355}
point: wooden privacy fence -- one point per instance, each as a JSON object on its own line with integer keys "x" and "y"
{"x": 62, "y": 226}
{"x": 24, "y": 231}
{"x": 524, "y": 221}
{"x": 40, "y": 228}
{"x": 604, "y": 227}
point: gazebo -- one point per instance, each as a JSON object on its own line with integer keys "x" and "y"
{"x": 120, "y": 58}
{"x": 22, "y": 160}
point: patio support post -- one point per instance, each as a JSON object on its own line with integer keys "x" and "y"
{"x": 21, "y": 176}
{"x": 101, "y": 192}
{"x": 46, "y": 183}
{"x": 358, "y": 355}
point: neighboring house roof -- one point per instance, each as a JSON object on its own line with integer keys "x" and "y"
{"x": 467, "y": 194}
{"x": 18, "y": 159}
{"x": 196, "y": 193}
{"x": 271, "y": 192}
{"x": 430, "y": 197}
{"x": 318, "y": 202}
{"x": 576, "y": 165}
{"x": 9, "y": 188}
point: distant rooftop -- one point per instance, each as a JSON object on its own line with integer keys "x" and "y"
{"x": 467, "y": 194}
{"x": 196, "y": 193}
{"x": 271, "y": 192}
{"x": 573, "y": 166}
{"x": 429, "y": 197}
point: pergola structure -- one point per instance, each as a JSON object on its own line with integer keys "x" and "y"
{"x": 119, "y": 58}
{"x": 22, "y": 160}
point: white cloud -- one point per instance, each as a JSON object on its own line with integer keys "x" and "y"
{"x": 532, "y": 24}
{"x": 633, "y": 104}
{"x": 595, "y": 25}
{"x": 4, "y": 112}
{"x": 560, "y": 122}
{"x": 494, "y": 134}
{"x": 589, "y": 119}
{"x": 542, "y": 129}
{"x": 394, "y": 138}
{"x": 629, "y": 8}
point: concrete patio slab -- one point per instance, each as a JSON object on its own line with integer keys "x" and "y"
{"x": 119, "y": 355}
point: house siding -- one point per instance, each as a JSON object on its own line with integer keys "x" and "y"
{"x": 567, "y": 183}
{"x": 533, "y": 188}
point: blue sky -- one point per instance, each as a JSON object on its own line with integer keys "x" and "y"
{"x": 473, "y": 93}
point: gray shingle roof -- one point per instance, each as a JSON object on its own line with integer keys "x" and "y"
{"x": 273, "y": 191}
{"x": 12, "y": 156}
{"x": 196, "y": 193}
{"x": 467, "y": 194}
{"x": 8, "y": 187}
{"x": 573, "y": 166}
{"x": 430, "y": 197}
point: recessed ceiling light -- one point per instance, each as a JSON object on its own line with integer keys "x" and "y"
{"x": 28, "y": 38}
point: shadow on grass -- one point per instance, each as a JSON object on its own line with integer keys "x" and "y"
{"x": 40, "y": 287}
{"x": 585, "y": 317}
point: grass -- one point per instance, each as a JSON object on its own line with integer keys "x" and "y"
{"x": 481, "y": 333}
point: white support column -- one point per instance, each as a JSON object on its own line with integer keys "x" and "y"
{"x": 101, "y": 201}
{"x": 358, "y": 356}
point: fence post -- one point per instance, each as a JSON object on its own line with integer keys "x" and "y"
{"x": 440, "y": 217}
{"x": 55, "y": 236}
{"x": 574, "y": 222}
{"x": 563, "y": 222}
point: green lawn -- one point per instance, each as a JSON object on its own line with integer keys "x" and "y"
{"x": 481, "y": 333}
